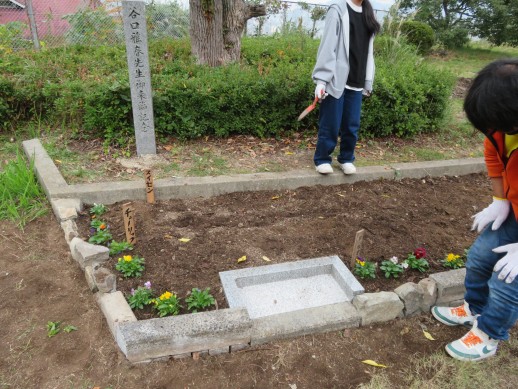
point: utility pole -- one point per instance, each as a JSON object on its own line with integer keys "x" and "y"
{"x": 32, "y": 21}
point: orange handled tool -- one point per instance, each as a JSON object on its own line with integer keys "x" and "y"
{"x": 308, "y": 109}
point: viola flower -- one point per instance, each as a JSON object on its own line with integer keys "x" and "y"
{"x": 92, "y": 230}
{"x": 452, "y": 257}
{"x": 166, "y": 296}
{"x": 132, "y": 292}
{"x": 147, "y": 284}
{"x": 420, "y": 252}
{"x": 127, "y": 258}
{"x": 360, "y": 261}
{"x": 394, "y": 260}
{"x": 102, "y": 226}
{"x": 404, "y": 265}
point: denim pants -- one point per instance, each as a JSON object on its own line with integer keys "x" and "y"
{"x": 338, "y": 116}
{"x": 494, "y": 300}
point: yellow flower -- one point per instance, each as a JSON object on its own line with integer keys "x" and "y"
{"x": 120, "y": 259}
{"x": 127, "y": 258}
{"x": 452, "y": 257}
{"x": 361, "y": 263}
{"x": 166, "y": 296}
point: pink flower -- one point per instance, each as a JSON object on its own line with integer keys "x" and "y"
{"x": 147, "y": 284}
{"x": 420, "y": 252}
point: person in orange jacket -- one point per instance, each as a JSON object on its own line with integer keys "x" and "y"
{"x": 491, "y": 298}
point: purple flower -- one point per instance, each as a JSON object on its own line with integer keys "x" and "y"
{"x": 132, "y": 292}
{"x": 147, "y": 284}
{"x": 92, "y": 230}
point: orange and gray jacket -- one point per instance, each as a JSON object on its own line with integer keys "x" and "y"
{"x": 500, "y": 165}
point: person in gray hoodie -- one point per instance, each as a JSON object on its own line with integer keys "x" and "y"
{"x": 343, "y": 73}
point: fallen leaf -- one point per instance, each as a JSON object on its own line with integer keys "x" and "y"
{"x": 372, "y": 363}
{"x": 427, "y": 335}
{"x": 341, "y": 195}
{"x": 289, "y": 153}
{"x": 184, "y": 240}
{"x": 168, "y": 147}
{"x": 58, "y": 161}
{"x": 167, "y": 236}
{"x": 242, "y": 259}
{"x": 276, "y": 197}
{"x": 321, "y": 217}
{"x": 265, "y": 258}
{"x": 405, "y": 331}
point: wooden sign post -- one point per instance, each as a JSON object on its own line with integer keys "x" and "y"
{"x": 129, "y": 223}
{"x": 358, "y": 240}
{"x": 150, "y": 192}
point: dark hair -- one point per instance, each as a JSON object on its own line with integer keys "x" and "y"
{"x": 492, "y": 100}
{"x": 369, "y": 18}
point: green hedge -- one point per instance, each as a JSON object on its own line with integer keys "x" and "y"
{"x": 88, "y": 88}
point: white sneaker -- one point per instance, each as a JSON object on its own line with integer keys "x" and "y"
{"x": 324, "y": 168}
{"x": 454, "y": 316}
{"x": 473, "y": 346}
{"x": 348, "y": 168}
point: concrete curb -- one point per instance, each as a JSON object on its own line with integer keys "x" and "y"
{"x": 188, "y": 187}
{"x": 227, "y": 330}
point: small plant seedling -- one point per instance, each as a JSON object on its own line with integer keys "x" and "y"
{"x": 98, "y": 209}
{"x": 199, "y": 300}
{"x": 130, "y": 266}
{"x": 69, "y": 328}
{"x": 100, "y": 237}
{"x": 167, "y": 304}
{"x": 141, "y": 297}
{"x": 53, "y": 328}
{"x": 453, "y": 261}
{"x": 416, "y": 263}
{"x": 119, "y": 247}
{"x": 392, "y": 268}
{"x": 364, "y": 269}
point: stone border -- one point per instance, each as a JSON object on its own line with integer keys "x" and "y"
{"x": 230, "y": 330}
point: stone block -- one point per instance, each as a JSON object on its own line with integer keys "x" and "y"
{"x": 116, "y": 311}
{"x": 66, "y": 209}
{"x": 69, "y": 227}
{"x": 450, "y": 285}
{"x": 238, "y": 347}
{"x": 87, "y": 254}
{"x": 172, "y": 335}
{"x": 90, "y": 280}
{"x": 105, "y": 280}
{"x": 378, "y": 307}
{"x": 305, "y": 321}
{"x": 412, "y": 296}
{"x": 429, "y": 287}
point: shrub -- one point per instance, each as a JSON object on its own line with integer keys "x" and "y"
{"x": 418, "y": 34}
{"x": 454, "y": 37}
{"x": 88, "y": 89}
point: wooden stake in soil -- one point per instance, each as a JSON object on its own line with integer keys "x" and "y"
{"x": 358, "y": 240}
{"x": 150, "y": 191}
{"x": 129, "y": 223}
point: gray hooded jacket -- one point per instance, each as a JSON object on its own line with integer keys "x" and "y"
{"x": 332, "y": 66}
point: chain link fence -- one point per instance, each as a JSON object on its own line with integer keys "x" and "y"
{"x": 49, "y": 23}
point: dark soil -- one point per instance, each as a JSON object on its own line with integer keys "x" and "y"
{"x": 310, "y": 222}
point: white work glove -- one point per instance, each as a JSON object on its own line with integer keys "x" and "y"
{"x": 320, "y": 91}
{"x": 496, "y": 212}
{"x": 508, "y": 265}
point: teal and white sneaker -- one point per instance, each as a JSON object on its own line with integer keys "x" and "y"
{"x": 454, "y": 316}
{"x": 474, "y": 346}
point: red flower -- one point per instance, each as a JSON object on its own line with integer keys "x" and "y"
{"x": 420, "y": 252}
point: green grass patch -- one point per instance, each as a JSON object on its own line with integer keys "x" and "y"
{"x": 21, "y": 198}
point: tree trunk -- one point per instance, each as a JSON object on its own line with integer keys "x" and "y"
{"x": 206, "y": 29}
{"x": 216, "y": 27}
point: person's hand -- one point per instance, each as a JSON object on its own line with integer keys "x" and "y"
{"x": 496, "y": 212}
{"x": 320, "y": 91}
{"x": 508, "y": 265}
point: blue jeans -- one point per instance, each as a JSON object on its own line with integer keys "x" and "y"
{"x": 495, "y": 301}
{"x": 338, "y": 116}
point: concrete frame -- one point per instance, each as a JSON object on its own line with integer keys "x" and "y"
{"x": 231, "y": 330}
